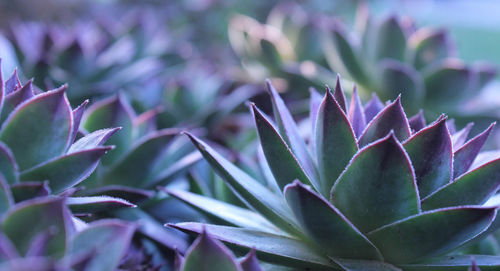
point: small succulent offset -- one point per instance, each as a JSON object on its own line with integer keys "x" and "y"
{"x": 392, "y": 56}
{"x": 209, "y": 254}
{"x": 41, "y": 234}
{"x": 375, "y": 190}
{"x": 39, "y": 152}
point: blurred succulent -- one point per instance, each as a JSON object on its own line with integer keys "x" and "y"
{"x": 40, "y": 234}
{"x": 392, "y": 56}
{"x": 207, "y": 254}
{"x": 95, "y": 59}
{"x": 383, "y": 192}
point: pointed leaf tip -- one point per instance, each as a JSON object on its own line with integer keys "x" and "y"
{"x": 465, "y": 156}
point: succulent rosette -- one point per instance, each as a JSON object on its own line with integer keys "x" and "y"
{"x": 370, "y": 190}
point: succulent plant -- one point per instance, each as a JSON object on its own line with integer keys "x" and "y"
{"x": 207, "y": 254}
{"x": 39, "y": 150}
{"x": 392, "y": 56}
{"x": 375, "y": 190}
{"x": 41, "y": 234}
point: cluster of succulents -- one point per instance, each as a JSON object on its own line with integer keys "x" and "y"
{"x": 379, "y": 191}
{"x": 109, "y": 185}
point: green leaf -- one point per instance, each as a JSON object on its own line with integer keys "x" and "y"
{"x": 447, "y": 83}
{"x": 430, "y": 233}
{"x": 290, "y": 133}
{"x": 356, "y": 114}
{"x": 92, "y": 140}
{"x": 472, "y": 188}
{"x": 429, "y": 46}
{"x": 96, "y": 204}
{"x": 327, "y": 227}
{"x": 28, "y": 190}
{"x": 27, "y": 220}
{"x": 390, "y": 40}
{"x": 456, "y": 263}
{"x": 335, "y": 142}
{"x": 66, "y": 171}
{"x": 106, "y": 241}
{"x": 430, "y": 152}
{"x": 8, "y": 166}
{"x": 235, "y": 216}
{"x": 378, "y": 187}
{"x": 77, "y": 118}
{"x": 392, "y": 117}
{"x": 360, "y": 265}
{"x": 257, "y": 196}
{"x": 270, "y": 247}
{"x": 12, "y": 100}
{"x": 400, "y": 78}
{"x": 6, "y": 199}
{"x": 465, "y": 156}
{"x": 118, "y": 191}
{"x": 152, "y": 229}
{"x": 39, "y": 129}
{"x": 112, "y": 112}
{"x": 208, "y": 254}
{"x": 136, "y": 166}
{"x": 341, "y": 55}
{"x": 281, "y": 160}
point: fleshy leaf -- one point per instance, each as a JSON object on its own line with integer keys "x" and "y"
{"x": 335, "y": 142}
{"x": 28, "y": 190}
{"x": 8, "y": 166}
{"x": 6, "y": 199}
{"x": 135, "y": 168}
{"x": 463, "y": 157}
{"x": 77, "y": 118}
{"x": 447, "y": 83}
{"x": 290, "y": 133}
{"x": 399, "y": 78}
{"x": 112, "y": 112}
{"x": 378, "y": 187}
{"x": 360, "y": 265}
{"x": 39, "y": 129}
{"x": 118, "y": 191}
{"x": 14, "y": 99}
{"x": 96, "y": 204}
{"x": 92, "y": 140}
{"x": 373, "y": 107}
{"x": 106, "y": 240}
{"x": 314, "y": 104}
{"x": 66, "y": 171}
{"x": 472, "y": 188}
{"x": 430, "y": 233}
{"x": 341, "y": 56}
{"x": 356, "y": 114}
{"x": 417, "y": 122}
{"x": 41, "y": 215}
{"x": 429, "y": 46}
{"x": 338, "y": 94}
{"x": 228, "y": 213}
{"x": 251, "y": 191}
{"x": 431, "y": 155}
{"x": 326, "y": 226}
{"x": 150, "y": 227}
{"x": 391, "y": 118}
{"x": 13, "y": 83}
{"x": 250, "y": 262}
{"x": 456, "y": 262}
{"x": 282, "y": 161}
{"x": 270, "y": 247}
{"x": 390, "y": 40}
{"x": 459, "y": 137}
{"x": 207, "y": 254}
